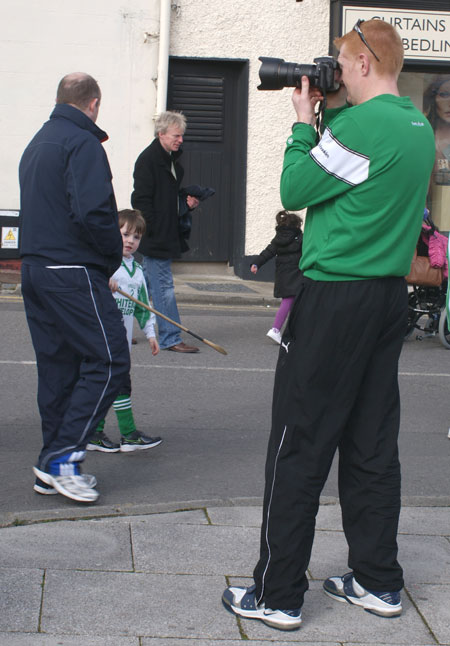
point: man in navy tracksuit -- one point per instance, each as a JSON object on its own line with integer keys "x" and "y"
{"x": 70, "y": 246}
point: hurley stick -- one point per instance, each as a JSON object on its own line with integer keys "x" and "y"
{"x": 166, "y": 318}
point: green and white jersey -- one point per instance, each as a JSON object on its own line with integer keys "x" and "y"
{"x": 131, "y": 280}
{"x": 365, "y": 185}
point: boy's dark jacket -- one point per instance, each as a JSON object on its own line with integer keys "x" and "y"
{"x": 68, "y": 212}
{"x": 156, "y": 196}
{"x": 286, "y": 246}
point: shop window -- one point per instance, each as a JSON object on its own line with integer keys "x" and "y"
{"x": 431, "y": 94}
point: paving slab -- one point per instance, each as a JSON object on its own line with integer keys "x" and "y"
{"x": 433, "y": 601}
{"x": 190, "y": 549}
{"x": 326, "y": 620}
{"x": 423, "y": 561}
{"x": 26, "y": 639}
{"x": 329, "y": 554}
{"x": 121, "y": 603}
{"x": 68, "y": 545}
{"x": 226, "y": 642}
{"x": 425, "y": 520}
{"x": 236, "y": 516}
{"x": 194, "y": 517}
{"x": 20, "y": 599}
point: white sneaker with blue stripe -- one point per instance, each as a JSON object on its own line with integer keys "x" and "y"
{"x": 68, "y": 482}
{"x": 242, "y": 601}
{"x": 346, "y": 588}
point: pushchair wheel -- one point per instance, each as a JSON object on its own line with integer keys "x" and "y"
{"x": 444, "y": 332}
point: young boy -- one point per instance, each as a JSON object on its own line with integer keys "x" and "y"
{"x": 130, "y": 278}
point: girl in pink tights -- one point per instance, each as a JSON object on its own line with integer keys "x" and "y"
{"x": 286, "y": 247}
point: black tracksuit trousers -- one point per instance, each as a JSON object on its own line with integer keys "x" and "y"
{"x": 336, "y": 387}
{"x": 81, "y": 351}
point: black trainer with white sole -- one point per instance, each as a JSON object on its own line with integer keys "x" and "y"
{"x": 101, "y": 442}
{"x": 137, "y": 441}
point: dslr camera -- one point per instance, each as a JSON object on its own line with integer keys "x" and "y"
{"x": 276, "y": 74}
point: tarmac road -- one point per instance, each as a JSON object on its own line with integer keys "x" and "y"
{"x": 213, "y": 413}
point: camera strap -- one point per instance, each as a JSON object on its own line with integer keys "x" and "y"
{"x": 319, "y": 117}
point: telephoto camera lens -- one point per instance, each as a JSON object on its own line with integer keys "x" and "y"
{"x": 275, "y": 74}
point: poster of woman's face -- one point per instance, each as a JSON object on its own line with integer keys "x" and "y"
{"x": 436, "y": 106}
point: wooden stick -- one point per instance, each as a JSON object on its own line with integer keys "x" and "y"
{"x": 216, "y": 347}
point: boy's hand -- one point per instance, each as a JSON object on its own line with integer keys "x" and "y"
{"x": 113, "y": 285}
{"x": 254, "y": 269}
{"x": 154, "y": 345}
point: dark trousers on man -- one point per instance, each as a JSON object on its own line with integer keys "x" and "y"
{"x": 336, "y": 388}
{"x": 81, "y": 351}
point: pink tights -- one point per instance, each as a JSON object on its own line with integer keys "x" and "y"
{"x": 283, "y": 311}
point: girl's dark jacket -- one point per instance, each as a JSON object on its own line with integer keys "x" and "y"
{"x": 286, "y": 246}
{"x": 68, "y": 211}
{"x": 156, "y": 196}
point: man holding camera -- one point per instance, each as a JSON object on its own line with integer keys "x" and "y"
{"x": 336, "y": 384}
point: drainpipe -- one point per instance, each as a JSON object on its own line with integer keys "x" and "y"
{"x": 163, "y": 60}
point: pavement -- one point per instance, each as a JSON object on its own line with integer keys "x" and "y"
{"x": 154, "y": 575}
{"x": 157, "y": 580}
{"x": 191, "y": 287}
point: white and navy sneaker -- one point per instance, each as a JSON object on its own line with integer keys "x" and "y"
{"x": 71, "y": 486}
{"x": 346, "y": 588}
{"x": 242, "y": 601}
{"x": 274, "y": 334}
{"x": 47, "y": 490}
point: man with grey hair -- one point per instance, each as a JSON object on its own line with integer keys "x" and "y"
{"x": 70, "y": 246}
{"x": 157, "y": 180}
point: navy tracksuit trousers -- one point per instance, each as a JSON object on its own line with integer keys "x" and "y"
{"x": 81, "y": 351}
{"x": 336, "y": 388}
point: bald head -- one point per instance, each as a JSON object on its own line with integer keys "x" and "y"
{"x": 78, "y": 89}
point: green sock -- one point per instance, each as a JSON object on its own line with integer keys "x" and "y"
{"x": 122, "y": 407}
{"x": 100, "y": 426}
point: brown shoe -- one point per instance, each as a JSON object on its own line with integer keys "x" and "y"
{"x": 182, "y": 347}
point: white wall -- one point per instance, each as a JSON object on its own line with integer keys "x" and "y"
{"x": 42, "y": 40}
{"x": 295, "y": 31}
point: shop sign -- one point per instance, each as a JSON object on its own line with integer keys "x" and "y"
{"x": 425, "y": 34}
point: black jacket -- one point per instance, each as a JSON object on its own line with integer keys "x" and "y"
{"x": 286, "y": 246}
{"x": 156, "y": 195}
{"x": 68, "y": 212}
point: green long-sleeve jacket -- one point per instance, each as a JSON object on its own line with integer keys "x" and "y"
{"x": 364, "y": 184}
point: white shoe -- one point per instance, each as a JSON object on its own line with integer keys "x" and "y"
{"x": 346, "y": 588}
{"x": 74, "y": 487}
{"x": 242, "y": 602}
{"x": 274, "y": 334}
{"x": 47, "y": 490}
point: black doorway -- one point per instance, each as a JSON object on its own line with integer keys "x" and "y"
{"x": 213, "y": 94}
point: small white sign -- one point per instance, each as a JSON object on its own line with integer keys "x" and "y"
{"x": 7, "y": 213}
{"x": 425, "y": 34}
{"x": 10, "y": 237}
